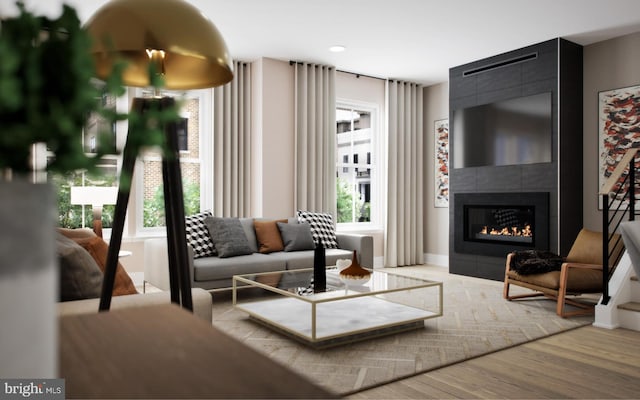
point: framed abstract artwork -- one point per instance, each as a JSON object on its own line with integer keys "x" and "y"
{"x": 441, "y": 145}
{"x": 618, "y": 128}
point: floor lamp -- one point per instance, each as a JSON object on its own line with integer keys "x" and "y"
{"x": 191, "y": 54}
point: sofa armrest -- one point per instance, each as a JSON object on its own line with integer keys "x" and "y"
{"x": 202, "y": 306}
{"x": 156, "y": 263}
{"x": 362, "y": 244}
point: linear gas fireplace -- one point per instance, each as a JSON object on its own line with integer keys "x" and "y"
{"x": 493, "y": 224}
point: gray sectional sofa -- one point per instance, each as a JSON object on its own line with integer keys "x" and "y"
{"x": 214, "y": 272}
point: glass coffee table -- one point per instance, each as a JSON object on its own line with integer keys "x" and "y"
{"x": 286, "y": 302}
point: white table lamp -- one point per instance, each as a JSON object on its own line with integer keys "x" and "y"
{"x": 96, "y": 196}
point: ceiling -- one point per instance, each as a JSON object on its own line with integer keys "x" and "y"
{"x": 413, "y": 40}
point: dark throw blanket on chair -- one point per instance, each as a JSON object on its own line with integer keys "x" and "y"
{"x": 527, "y": 262}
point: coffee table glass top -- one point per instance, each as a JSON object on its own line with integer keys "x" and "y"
{"x": 299, "y": 283}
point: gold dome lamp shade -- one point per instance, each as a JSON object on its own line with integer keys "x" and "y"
{"x": 195, "y": 54}
{"x": 190, "y": 53}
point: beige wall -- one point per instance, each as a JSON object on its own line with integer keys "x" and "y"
{"x": 436, "y": 220}
{"x": 610, "y": 64}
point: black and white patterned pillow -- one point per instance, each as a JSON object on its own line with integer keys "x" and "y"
{"x": 322, "y": 228}
{"x": 198, "y": 235}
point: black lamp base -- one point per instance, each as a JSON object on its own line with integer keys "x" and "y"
{"x": 180, "y": 281}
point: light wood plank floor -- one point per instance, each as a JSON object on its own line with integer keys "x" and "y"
{"x": 585, "y": 363}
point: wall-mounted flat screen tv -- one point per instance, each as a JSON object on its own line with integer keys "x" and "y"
{"x": 509, "y": 132}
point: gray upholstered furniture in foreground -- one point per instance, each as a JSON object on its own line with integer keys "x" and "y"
{"x": 213, "y": 272}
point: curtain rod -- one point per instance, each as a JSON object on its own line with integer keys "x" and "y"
{"x": 358, "y": 75}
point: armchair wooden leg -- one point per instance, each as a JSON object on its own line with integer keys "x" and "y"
{"x": 505, "y": 291}
{"x": 562, "y": 291}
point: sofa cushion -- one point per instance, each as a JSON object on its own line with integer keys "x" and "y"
{"x": 198, "y": 235}
{"x": 250, "y": 233}
{"x": 98, "y": 250}
{"x": 80, "y": 277}
{"x": 228, "y": 236}
{"x": 76, "y": 233}
{"x": 215, "y": 268}
{"x": 579, "y": 280}
{"x": 304, "y": 259}
{"x": 268, "y": 235}
{"x": 296, "y": 237}
{"x": 323, "y": 229}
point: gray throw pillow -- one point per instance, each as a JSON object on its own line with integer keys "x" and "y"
{"x": 228, "y": 236}
{"x": 249, "y": 231}
{"x": 80, "y": 276}
{"x": 296, "y": 237}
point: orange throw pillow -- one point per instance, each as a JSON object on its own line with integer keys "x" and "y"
{"x": 98, "y": 249}
{"x": 268, "y": 235}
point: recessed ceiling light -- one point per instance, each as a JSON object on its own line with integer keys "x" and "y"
{"x": 337, "y": 49}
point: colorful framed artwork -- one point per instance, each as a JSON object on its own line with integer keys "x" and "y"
{"x": 441, "y": 145}
{"x": 618, "y": 128}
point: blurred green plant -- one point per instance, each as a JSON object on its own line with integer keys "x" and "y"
{"x": 48, "y": 90}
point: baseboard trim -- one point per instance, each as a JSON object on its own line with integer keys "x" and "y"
{"x": 441, "y": 260}
{"x": 605, "y": 326}
{"x": 438, "y": 260}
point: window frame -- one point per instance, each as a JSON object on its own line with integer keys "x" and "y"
{"x": 205, "y": 151}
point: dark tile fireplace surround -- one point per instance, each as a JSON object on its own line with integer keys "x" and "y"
{"x": 547, "y": 196}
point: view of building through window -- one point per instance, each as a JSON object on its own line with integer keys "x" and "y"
{"x": 353, "y": 164}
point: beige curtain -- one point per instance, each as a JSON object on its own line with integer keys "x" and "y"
{"x": 315, "y": 136}
{"x": 403, "y": 240}
{"x": 232, "y": 145}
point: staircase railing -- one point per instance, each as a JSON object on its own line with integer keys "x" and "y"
{"x": 618, "y": 202}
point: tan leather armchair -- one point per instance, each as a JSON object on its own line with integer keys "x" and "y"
{"x": 580, "y": 273}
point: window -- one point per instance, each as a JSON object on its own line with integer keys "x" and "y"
{"x": 80, "y": 215}
{"x": 356, "y": 132}
{"x": 146, "y": 209}
{"x": 149, "y": 179}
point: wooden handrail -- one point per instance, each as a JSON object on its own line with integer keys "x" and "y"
{"x": 617, "y": 172}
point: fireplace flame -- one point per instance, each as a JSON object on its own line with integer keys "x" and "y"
{"x": 514, "y": 231}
